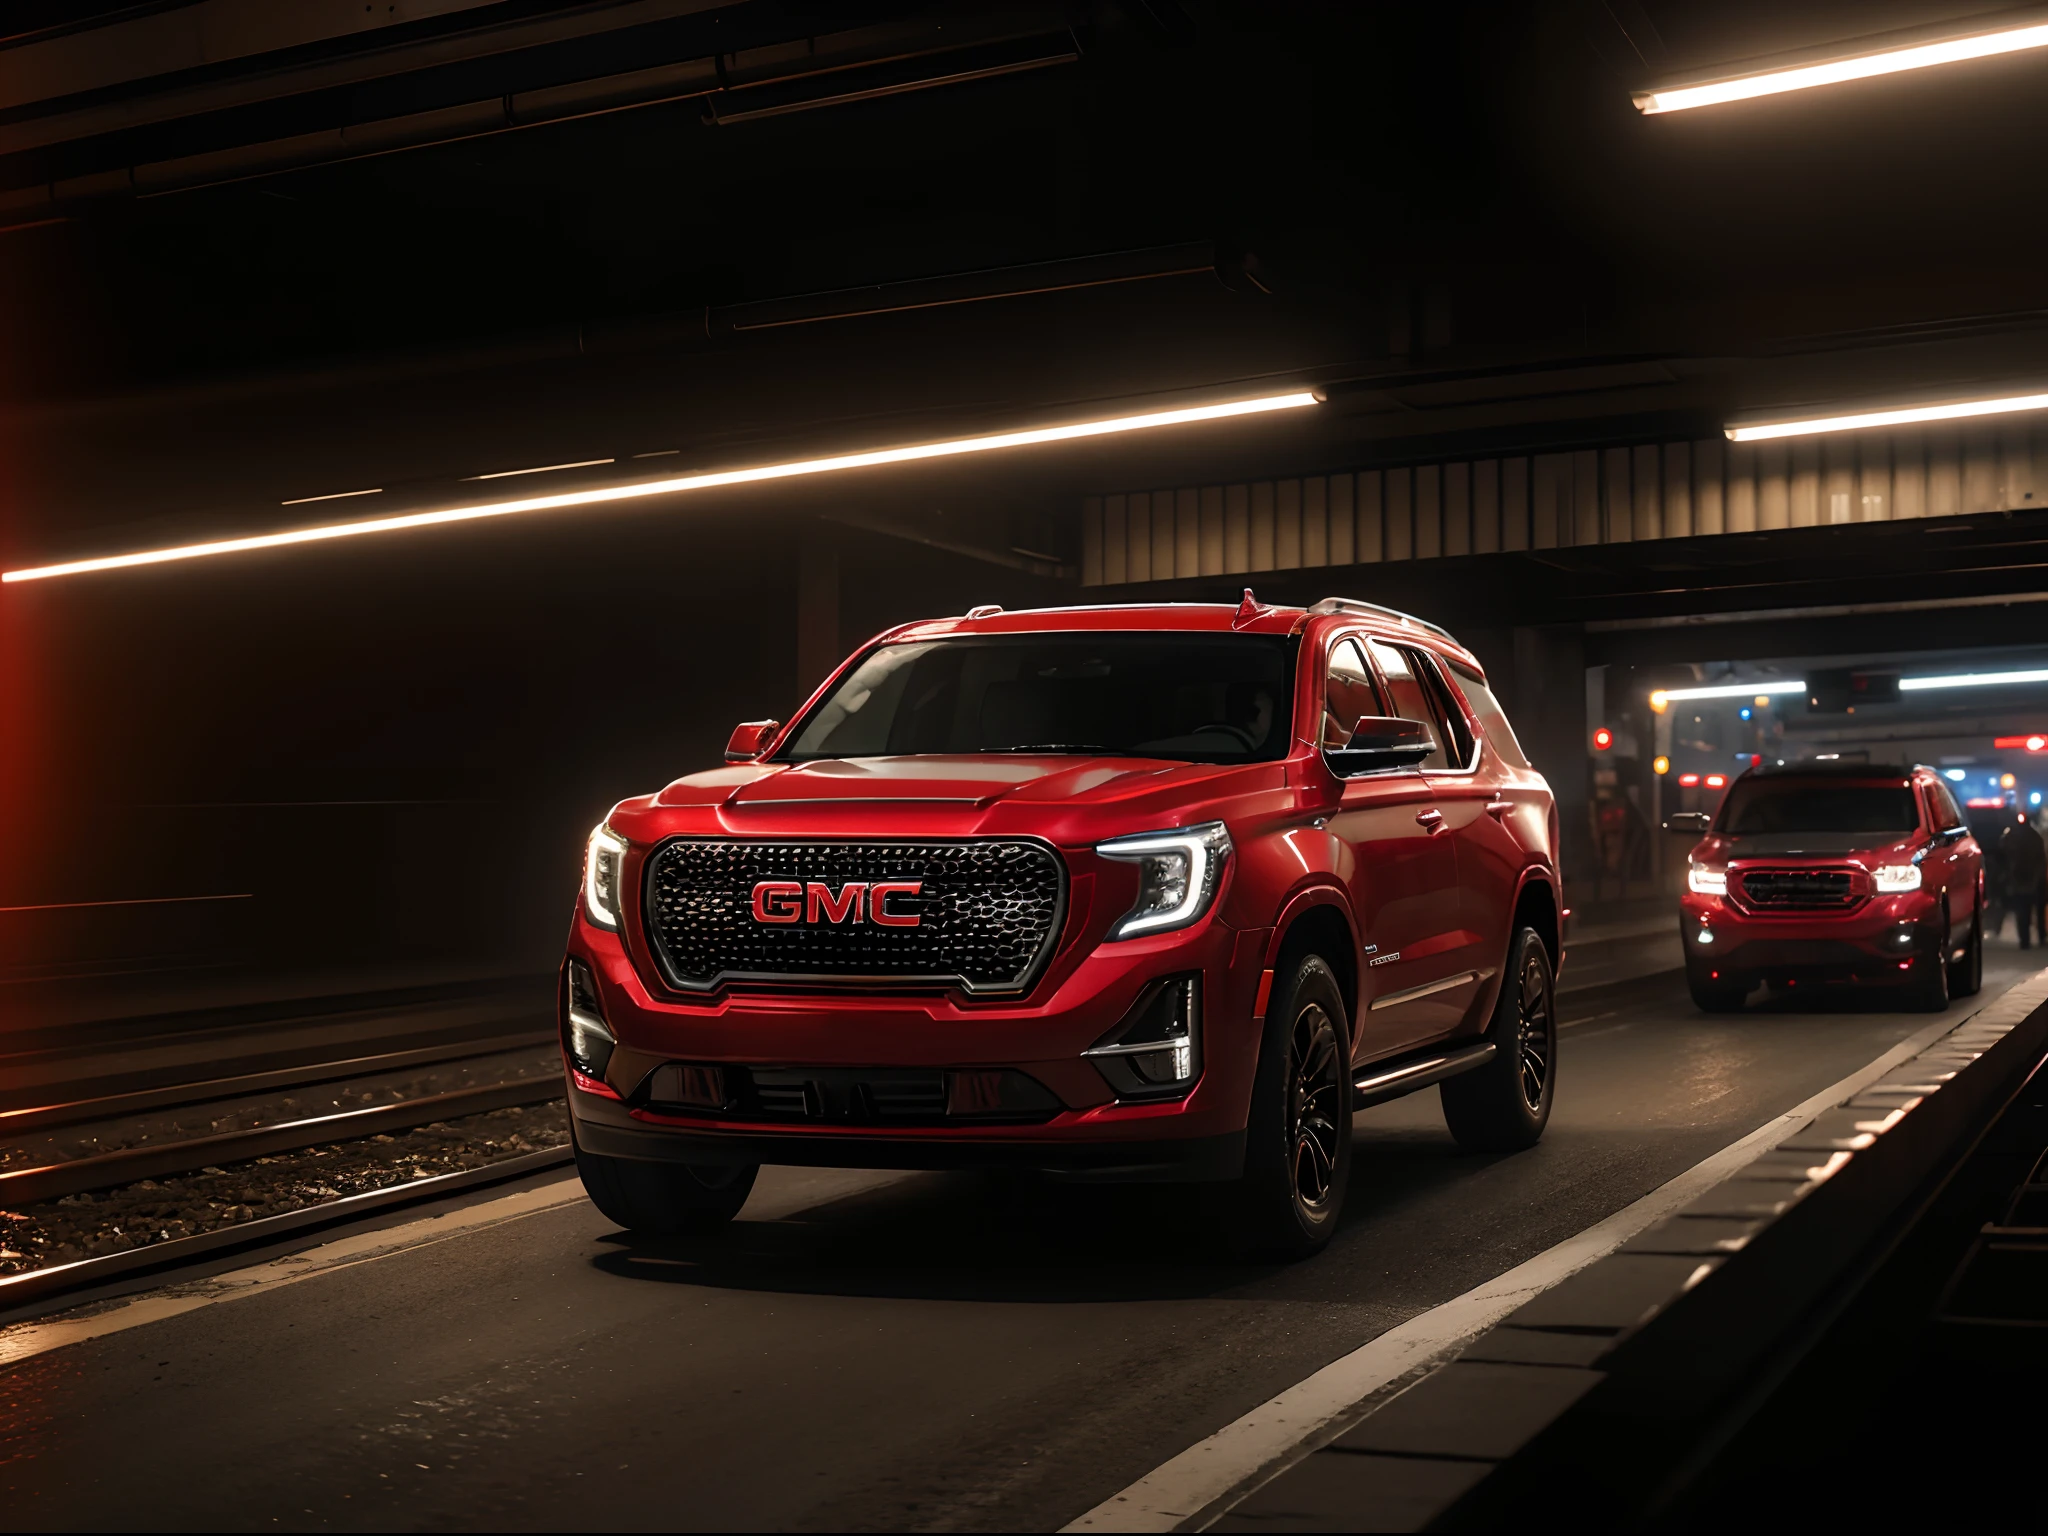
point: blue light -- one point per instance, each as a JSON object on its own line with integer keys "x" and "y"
{"x": 1955, "y": 775}
{"x": 1747, "y": 712}
{"x": 2034, "y": 798}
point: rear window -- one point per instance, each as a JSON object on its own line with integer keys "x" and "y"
{"x": 1759, "y": 807}
{"x": 1493, "y": 720}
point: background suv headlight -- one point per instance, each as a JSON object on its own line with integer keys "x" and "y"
{"x": 1894, "y": 879}
{"x": 603, "y": 861}
{"x": 1707, "y": 882}
{"x": 1178, "y": 873}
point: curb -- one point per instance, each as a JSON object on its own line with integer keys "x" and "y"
{"x": 1590, "y": 1405}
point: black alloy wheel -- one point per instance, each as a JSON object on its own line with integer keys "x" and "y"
{"x": 1314, "y": 1106}
{"x": 1297, "y": 1160}
{"x": 1533, "y": 1026}
{"x": 1504, "y": 1105}
{"x": 1929, "y": 988}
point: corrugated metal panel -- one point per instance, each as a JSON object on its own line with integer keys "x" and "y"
{"x": 1556, "y": 500}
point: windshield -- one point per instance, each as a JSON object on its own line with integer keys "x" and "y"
{"x": 1201, "y": 698}
{"x": 1758, "y": 807}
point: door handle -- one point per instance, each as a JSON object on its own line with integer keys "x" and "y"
{"x": 1499, "y": 807}
{"x": 1432, "y": 819}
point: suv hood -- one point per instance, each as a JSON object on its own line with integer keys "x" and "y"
{"x": 1826, "y": 844}
{"x": 978, "y": 781}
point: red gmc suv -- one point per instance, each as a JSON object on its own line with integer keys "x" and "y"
{"x": 1131, "y": 893}
{"x": 1833, "y": 873}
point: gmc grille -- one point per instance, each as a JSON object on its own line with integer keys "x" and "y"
{"x": 988, "y": 913}
{"x": 1799, "y": 890}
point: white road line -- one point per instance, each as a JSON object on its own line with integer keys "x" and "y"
{"x": 1275, "y": 1435}
{"x": 813, "y": 1188}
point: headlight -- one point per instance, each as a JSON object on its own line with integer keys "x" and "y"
{"x": 1177, "y": 876}
{"x": 1892, "y": 879}
{"x": 1707, "y": 882}
{"x": 603, "y": 861}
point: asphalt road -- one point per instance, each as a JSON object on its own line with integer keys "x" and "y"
{"x": 860, "y": 1351}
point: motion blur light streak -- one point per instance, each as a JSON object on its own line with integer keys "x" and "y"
{"x": 2003, "y": 405}
{"x": 1890, "y": 61}
{"x": 540, "y": 469}
{"x": 1973, "y": 680}
{"x": 611, "y": 493}
{"x": 300, "y": 501}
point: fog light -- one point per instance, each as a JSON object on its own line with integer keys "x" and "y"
{"x": 1903, "y": 936}
{"x": 1705, "y": 936}
{"x": 585, "y": 1035}
{"x": 1156, "y": 1052}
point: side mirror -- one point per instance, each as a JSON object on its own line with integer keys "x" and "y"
{"x": 750, "y": 740}
{"x": 1699, "y": 823}
{"x": 1382, "y": 741}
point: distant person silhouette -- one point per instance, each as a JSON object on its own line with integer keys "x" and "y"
{"x": 2026, "y": 879}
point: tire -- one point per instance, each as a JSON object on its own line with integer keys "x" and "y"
{"x": 1966, "y": 976}
{"x": 1297, "y": 1157}
{"x": 1929, "y": 990}
{"x": 1504, "y": 1105}
{"x": 1716, "y": 996}
{"x": 665, "y": 1199}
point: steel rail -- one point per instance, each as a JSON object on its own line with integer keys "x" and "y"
{"x": 25, "y": 1290}
{"x": 103, "y": 1171}
{"x": 17, "y": 1122}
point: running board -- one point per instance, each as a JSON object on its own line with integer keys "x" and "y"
{"x": 1384, "y": 1082}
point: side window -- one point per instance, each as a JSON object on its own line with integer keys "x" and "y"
{"x": 1411, "y": 697}
{"x": 1349, "y": 694}
{"x": 1493, "y": 720}
{"x": 1947, "y": 813}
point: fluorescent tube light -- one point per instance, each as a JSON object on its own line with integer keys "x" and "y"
{"x": 1972, "y": 680}
{"x": 1890, "y": 61}
{"x": 1729, "y": 691}
{"x": 599, "y": 495}
{"x": 2004, "y": 405}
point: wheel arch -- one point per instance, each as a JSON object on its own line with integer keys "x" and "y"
{"x": 1317, "y": 922}
{"x": 1536, "y": 906}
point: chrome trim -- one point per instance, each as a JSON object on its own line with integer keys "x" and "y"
{"x": 1395, "y": 999}
{"x": 1464, "y": 1060}
{"x": 1143, "y": 1047}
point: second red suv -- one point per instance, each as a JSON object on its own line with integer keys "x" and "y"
{"x": 1129, "y": 893}
{"x": 1824, "y": 873}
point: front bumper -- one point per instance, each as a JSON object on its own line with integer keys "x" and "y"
{"x": 1886, "y": 939}
{"x": 1083, "y": 1129}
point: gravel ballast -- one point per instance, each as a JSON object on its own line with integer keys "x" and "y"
{"x": 85, "y": 1226}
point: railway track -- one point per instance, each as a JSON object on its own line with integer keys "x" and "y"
{"x": 92, "y": 1129}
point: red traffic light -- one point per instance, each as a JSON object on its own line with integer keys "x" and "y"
{"x": 1603, "y": 738}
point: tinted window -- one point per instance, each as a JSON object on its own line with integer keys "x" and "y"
{"x": 1949, "y": 814}
{"x": 1493, "y": 720}
{"x": 1349, "y": 695}
{"x": 1762, "y": 806}
{"x": 1410, "y": 696}
{"x": 1189, "y": 697}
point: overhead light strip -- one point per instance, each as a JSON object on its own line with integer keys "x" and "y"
{"x": 601, "y": 495}
{"x": 2003, "y": 405}
{"x": 1729, "y": 691}
{"x": 1890, "y": 61}
{"x": 1906, "y": 685}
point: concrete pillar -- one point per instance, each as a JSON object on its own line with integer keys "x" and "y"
{"x": 818, "y": 647}
{"x": 1547, "y": 703}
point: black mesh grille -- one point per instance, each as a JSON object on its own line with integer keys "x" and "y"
{"x": 988, "y": 912}
{"x": 1799, "y": 889}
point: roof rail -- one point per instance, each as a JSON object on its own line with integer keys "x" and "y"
{"x": 1375, "y": 610}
